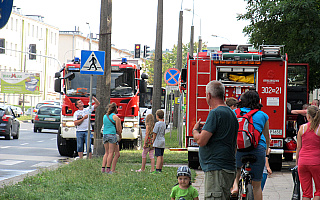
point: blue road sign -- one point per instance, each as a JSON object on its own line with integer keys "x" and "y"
{"x": 92, "y": 62}
{"x": 5, "y": 11}
{"x": 171, "y": 76}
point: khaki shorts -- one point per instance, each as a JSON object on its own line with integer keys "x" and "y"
{"x": 218, "y": 184}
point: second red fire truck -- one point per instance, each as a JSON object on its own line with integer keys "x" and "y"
{"x": 282, "y": 86}
{"x": 126, "y": 84}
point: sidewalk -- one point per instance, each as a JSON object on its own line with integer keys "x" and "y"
{"x": 279, "y": 185}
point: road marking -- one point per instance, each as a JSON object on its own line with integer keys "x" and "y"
{"x": 53, "y": 139}
{"x": 33, "y": 158}
{"x": 24, "y": 144}
{"x": 10, "y": 162}
{"x": 23, "y": 129}
{"x": 40, "y": 141}
{"x": 5, "y": 147}
{"x": 43, "y": 164}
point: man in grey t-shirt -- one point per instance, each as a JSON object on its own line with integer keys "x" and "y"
{"x": 159, "y": 140}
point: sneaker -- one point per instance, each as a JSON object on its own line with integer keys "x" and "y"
{"x": 155, "y": 172}
{"x": 103, "y": 170}
{"x": 107, "y": 171}
{"x": 110, "y": 172}
{"x": 139, "y": 170}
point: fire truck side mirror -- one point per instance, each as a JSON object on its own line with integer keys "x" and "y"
{"x": 57, "y": 85}
{"x": 143, "y": 86}
{"x": 144, "y": 76}
{"x": 57, "y": 75}
{"x": 183, "y": 78}
{"x": 69, "y": 76}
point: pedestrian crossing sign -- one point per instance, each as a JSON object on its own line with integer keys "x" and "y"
{"x": 92, "y": 62}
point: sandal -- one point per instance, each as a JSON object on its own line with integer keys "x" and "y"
{"x": 233, "y": 196}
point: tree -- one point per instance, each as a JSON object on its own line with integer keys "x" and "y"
{"x": 169, "y": 61}
{"x": 295, "y": 24}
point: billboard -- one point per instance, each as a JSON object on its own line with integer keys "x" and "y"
{"x": 20, "y": 83}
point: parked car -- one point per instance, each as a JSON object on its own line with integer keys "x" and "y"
{"x": 45, "y": 102}
{"x": 17, "y": 110}
{"x": 29, "y": 111}
{"x": 9, "y": 124}
{"x": 47, "y": 117}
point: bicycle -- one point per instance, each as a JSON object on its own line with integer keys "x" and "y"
{"x": 245, "y": 182}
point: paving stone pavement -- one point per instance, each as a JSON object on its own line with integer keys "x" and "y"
{"x": 279, "y": 185}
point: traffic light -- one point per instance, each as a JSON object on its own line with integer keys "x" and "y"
{"x": 137, "y": 51}
{"x": 145, "y": 51}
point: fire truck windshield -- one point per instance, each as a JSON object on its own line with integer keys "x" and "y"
{"x": 122, "y": 84}
{"x": 80, "y": 85}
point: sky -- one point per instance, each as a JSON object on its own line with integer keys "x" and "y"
{"x": 135, "y": 21}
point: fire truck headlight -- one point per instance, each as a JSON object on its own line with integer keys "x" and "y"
{"x": 128, "y": 124}
{"x": 68, "y": 124}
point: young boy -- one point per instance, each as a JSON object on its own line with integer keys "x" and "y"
{"x": 232, "y": 103}
{"x": 159, "y": 140}
{"x": 184, "y": 190}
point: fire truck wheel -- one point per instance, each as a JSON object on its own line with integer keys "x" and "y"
{"x": 138, "y": 142}
{"x": 288, "y": 156}
{"x": 275, "y": 162}
{"x": 193, "y": 164}
{"x": 65, "y": 147}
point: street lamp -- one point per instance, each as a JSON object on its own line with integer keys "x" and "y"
{"x": 89, "y": 36}
{"x": 221, "y": 37}
{"x": 200, "y": 40}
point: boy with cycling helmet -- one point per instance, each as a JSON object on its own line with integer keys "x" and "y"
{"x": 183, "y": 190}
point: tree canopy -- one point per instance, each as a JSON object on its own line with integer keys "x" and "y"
{"x": 295, "y": 24}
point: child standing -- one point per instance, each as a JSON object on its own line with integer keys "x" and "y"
{"x": 184, "y": 189}
{"x": 148, "y": 144}
{"x": 159, "y": 140}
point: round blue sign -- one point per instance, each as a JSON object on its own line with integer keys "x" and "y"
{"x": 5, "y": 11}
{"x": 171, "y": 76}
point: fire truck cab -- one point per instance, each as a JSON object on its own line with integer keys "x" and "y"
{"x": 126, "y": 84}
{"x": 240, "y": 68}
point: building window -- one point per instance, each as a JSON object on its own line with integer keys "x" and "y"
{"x": 11, "y": 49}
{"x": 32, "y": 31}
{"x": 37, "y": 32}
{"x": 2, "y": 44}
{"x": 6, "y": 46}
{"x": 17, "y": 24}
{"x": 28, "y": 29}
{"x": 11, "y": 20}
{"x": 32, "y": 49}
{"x": 15, "y": 48}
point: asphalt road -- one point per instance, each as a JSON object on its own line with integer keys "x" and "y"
{"x": 28, "y": 153}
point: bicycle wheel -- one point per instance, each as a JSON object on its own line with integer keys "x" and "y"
{"x": 249, "y": 192}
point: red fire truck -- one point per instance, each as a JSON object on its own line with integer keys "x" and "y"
{"x": 281, "y": 85}
{"x": 126, "y": 84}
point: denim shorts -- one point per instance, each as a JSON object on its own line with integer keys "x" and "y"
{"x": 111, "y": 138}
{"x": 82, "y": 138}
{"x": 257, "y": 167}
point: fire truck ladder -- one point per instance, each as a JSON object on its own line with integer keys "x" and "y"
{"x": 205, "y": 77}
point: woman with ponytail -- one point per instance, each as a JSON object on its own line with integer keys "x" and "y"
{"x": 308, "y": 154}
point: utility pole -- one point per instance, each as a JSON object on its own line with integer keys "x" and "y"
{"x": 178, "y": 66}
{"x": 103, "y": 81}
{"x": 156, "y": 96}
